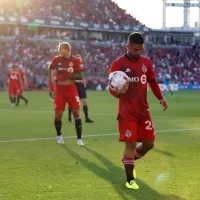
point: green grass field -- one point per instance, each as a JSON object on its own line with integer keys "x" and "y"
{"x": 40, "y": 169}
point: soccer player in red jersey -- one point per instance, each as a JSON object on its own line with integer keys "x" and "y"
{"x": 136, "y": 123}
{"x": 15, "y": 85}
{"x": 24, "y": 83}
{"x": 68, "y": 68}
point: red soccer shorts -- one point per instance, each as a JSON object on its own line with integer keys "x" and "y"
{"x": 51, "y": 87}
{"x": 138, "y": 131}
{"x": 14, "y": 90}
{"x": 66, "y": 94}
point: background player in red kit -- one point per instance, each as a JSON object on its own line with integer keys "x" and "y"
{"x": 81, "y": 88}
{"x": 133, "y": 107}
{"x": 68, "y": 69}
{"x": 15, "y": 85}
{"x": 24, "y": 83}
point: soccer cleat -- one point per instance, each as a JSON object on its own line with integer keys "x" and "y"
{"x": 70, "y": 120}
{"x": 60, "y": 139}
{"x": 12, "y": 105}
{"x": 134, "y": 174}
{"x": 89, "y": 120}
{"x": 132, "y": 185}
{"x": 80, "y": 142}
{"x": 26, "y": 102}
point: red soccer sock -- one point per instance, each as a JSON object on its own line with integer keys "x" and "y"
{"x": 129, "y": 166}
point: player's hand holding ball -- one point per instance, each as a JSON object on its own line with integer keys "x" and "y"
{"x": 123, "y": 89}
{"x": 118, "y": 82}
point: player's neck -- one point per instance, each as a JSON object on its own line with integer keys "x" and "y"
{"x": 66, "y": 56}
{"x": 131, "y": 58}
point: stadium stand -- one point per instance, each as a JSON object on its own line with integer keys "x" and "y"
{"x": 33, "y": 47}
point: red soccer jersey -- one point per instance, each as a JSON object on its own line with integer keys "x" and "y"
{"x": 65, "y": 67}
{"x": 133, "y": 105}
{"x": 14, "y": 78}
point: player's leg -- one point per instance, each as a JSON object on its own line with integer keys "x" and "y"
{"x": 165, "y": 91}
{"x": 130, "y": 136}
{"x": 11, "y": 99}
{"x": 59, "y": 103}
{"x": 69, "y": 114}
{"x": 18, "y": 100}
{"x": 15, "y": 99}
{"x": 58, "y": 125}
{"x": 74, "y": 104}
{"x": 20, "y": 96}
{"x": 16, "y": 92}
{"x": 25, "y": 99}
{"x": 83, "y": 97}
{"x": 169, "y": 88}
{"x": 78, "y": 125}
{"x": 146, "y": 133}
{"x": 85, "y": 110}
{"x": 11, "y": 96}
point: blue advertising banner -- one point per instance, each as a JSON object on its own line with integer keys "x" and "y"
{"x": 188, "y": 87}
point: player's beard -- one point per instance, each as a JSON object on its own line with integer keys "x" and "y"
{"x": 134, "y": 57}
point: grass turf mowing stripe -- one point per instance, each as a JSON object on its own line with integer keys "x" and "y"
{"x": 93, "y": 135}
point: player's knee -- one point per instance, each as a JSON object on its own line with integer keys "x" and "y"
{"x": 147, "y": 145}
{"x": 130, "y": 146}
{"x": 76, "y": 113}
{"x": 150, "y": 145}
{"x": 58, "y": 115}
{"x": 84, "y": 102}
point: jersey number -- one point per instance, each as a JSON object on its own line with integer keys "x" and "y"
{"x": 13, "y": 76}
{"x": 149, "y": 125}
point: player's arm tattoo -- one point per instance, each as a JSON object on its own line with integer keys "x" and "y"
{"x": 77, "y": 76}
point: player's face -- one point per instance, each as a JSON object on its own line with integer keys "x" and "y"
{"x": 14, "y": 68}
{"x": 79, "y": 57}
{"x": 135, "y": 50}
{"x": 20, "y": 68}
{"x": 64, "y": 52}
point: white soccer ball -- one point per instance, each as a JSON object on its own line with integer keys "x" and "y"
{"x": 117, "y": 79}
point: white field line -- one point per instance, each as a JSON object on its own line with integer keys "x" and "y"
{"x": 97, "y": 114}
{"x": 94, "y": 135}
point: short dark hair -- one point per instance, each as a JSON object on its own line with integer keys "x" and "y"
{"x": 135, "y": 38}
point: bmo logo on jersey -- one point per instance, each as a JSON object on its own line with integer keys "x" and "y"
{"x": 142, "y": 79}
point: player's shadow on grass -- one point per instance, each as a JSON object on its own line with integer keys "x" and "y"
{"x": 163, "y": 152}
{"x": 115, "y": 175}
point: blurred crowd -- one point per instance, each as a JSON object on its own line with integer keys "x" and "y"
{"x": 35, "y": 56}
{"x": 34, "y": 48}
{"x": 95, "y": 11}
